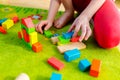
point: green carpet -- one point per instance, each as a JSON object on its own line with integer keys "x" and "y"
{"x": 16, "y": 58}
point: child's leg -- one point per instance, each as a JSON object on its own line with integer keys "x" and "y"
{"x": 107, "y": 25}
{"x": 67, "y": 16}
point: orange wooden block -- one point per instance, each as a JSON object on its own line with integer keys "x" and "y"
{"x": 2, "y": 30}
{"x": 25, "y": 35}
{"x": 37, "y": 47}
{"x": 19, "y": 35}
{"x": 95, "y": 68}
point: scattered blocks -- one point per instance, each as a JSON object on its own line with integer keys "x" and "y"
{"x": 95, "y": 68}
{"x": 25, "y": 35}
{"x": 54, "y": 40}
{"x": 67, "y": 35}
{"x": 23, "y": 76}
{"x": 63, "y": 40}
{"x": 84, "y": 65}
{"x": 2, "y": 30}
{"x": 55, "y": 63}
{"x": 55, "y": 35}
{"x": 48, "y": 33}
{"x": 72, "y": 55}
{"x": 71, "y": 46}
{"x": 75, "y": 39}
{"x": 56, "y": 76}
{"x": 37, "y": 47}
{"x": 27, "y": 22}
{"x": 7, "y": 24}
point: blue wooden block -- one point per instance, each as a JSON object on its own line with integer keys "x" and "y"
{"x": 67, "y": 35}
{"x": 55, "y": 35}
{"x": 84, "y": 65}
{"x": 2, "y": 20}
{"x": 71, "y": 55}
{"x": 56, "y": 76}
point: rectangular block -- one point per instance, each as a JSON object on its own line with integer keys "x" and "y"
{"x": 70, "y": 46}
{"x": 54, "y": 40}
{"x": 84, "y": 65}
{"x": 48, "y": 34}
{"x": 7, "y": 24}
{"x": 27, "y": 22}
{"x": 67, "y": 35}
{"x": 2, "y": 30}
{"x": 95, "y": 68}
{"x": 19, "y": 35}
{"x": 57, "y": 64}
{"x": 2, "y": 20}
{"x": 56, "y": 76}
{"x": 63, "y": 40}
{"x": 29, "y": 30}
{"x": 75, "y": 39}
{"x": 33, "y": 37}
{"x": 25, "y": 35}
{"x": 37, "y": 47}
{"x": 15, "y": 19}
{"x": 27, "y": 44}
{"x": 72, "y": 55}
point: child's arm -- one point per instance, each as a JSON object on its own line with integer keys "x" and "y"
{"x": 82, "y": 21}
{"x": 54, "y": 6}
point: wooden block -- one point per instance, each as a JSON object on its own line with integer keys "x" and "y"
{"x": 15, "y": 19}
{"x": 2, "y": 30}
{"x": 70, "y": 46}
{"x": 27, "y": 22}
{"x": 7, "y": 24}
{"x": 54, "y": 40}
{"x": 75, "y": 39}
{"x": 19, "y": 35}
{"x": 33, "y": 37}
{"x": 56, "y": 76}
{"x": 57, "y": 64}
{"x": 25, "y": 35}
{"x": 95, "y": 68}
{"x": 37, "y": 47}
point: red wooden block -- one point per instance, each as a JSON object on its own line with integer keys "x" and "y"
{"x": 19, "y": 35}
{"x": 37, "y": 47}
{"x": 2, "y": 30}
{"x": 27, "y": 22}
{"x": 75, "y": 39}
{"x": 95, "y": 68}
{"x": 55, "y": 63}
{"x": 25, "y": 35}
{"x": 15, "y": 19}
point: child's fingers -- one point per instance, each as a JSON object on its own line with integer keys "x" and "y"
{"x": 48, "y": 26}
{"x": 88, "y": 33}
{"x": 71, "y": 28}
{"x": 39, "y": 27}
{"x": 76, "y": 30}
{"x": 83, "y": 28}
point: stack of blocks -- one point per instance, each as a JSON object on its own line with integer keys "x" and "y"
{"x": 71, "y": 55}
{"x": 56, "y": 76}
{"x": 29, "y": 35}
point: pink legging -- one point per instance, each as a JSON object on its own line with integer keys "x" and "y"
{"x": 106, "y": 23}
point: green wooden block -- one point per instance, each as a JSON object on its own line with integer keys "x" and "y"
{"x": 48, "y": 34}
{"x": 29, "y": 30}
{"x": 62, "y": 40}
{"x": 27, "y": 44}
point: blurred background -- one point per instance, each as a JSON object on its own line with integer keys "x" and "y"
{"x": 35, "y": 3}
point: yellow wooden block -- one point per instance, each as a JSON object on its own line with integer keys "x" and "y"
{"x": 7, "y": 24}
{"x": 33, "y": 37}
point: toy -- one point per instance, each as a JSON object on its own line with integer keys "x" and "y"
{"x": 56, "y": 76}
{"x": 95, "y": 68}
{"x": 36, "y": 47}
{"x": 54, "y": 40}
{"x": 70, "y": 46}
{"x": 48, "y": 33}
{"x": 62, "y": 40}
{"x": 2, "y": 30}
{"x": 55, "y": 63}
{"x": 75, "y": 39}
{"x": 84, "y": 65}
{"x": 15, "y": 19}
{"x": 71, "y": 55}
{"x": 7, "y": 24}
{"x": 29, "y": 36}
{"x": 23, "y": 76}
{"x": 67, "y": 35}
{"x": 2, "y": 20}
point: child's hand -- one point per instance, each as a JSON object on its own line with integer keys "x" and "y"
{"x": 46, "y": 24}
{"x": 81, "y": 23}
